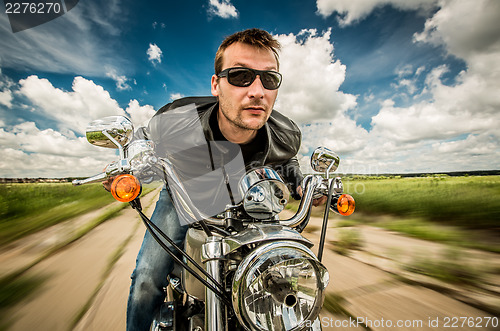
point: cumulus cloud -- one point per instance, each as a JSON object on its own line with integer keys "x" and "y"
{"x": 352, "y": 11}
{"x": 311, "y": 78}
{"x": 407, "y": 79}
{"x": 31, "y": 152}
{"x": 139, "y": 115}
{"x": 471, "y": 104}
{"x": 310, "y": 94}
{"x": 175, "y": 96}
{"x": 61, "y": 150}
{"x": 456, "y": 126}
{"x": 121, "y": 80}
{"x": 6, "y": 98}
{"x": 222, "y": 8}
{"x": 154, "y": 54}
{"x": 5, "y": 92}
{"x": 441, "y": 126}
{"x": 70, "y": 109}
{"x": 467, "y": 28}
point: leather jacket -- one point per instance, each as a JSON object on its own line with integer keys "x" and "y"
{"x": 282, "y": 137}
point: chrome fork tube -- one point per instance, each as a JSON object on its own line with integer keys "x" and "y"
{"x": 212, "y": 253}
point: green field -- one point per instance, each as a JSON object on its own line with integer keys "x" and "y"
{"x": 461, "y": 211}
{"x": 27, "y": 208}
{"x": 472, "y": 202}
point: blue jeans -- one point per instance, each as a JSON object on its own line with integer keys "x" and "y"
{"x": 153, "y": 265}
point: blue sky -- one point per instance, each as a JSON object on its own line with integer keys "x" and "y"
{"x": 391, "y": 85}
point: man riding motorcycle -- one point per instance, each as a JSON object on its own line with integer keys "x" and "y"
{"x": 244, "y": 88}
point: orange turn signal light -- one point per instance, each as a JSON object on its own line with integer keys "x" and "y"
{"x": 125, "y": 188}
{"x": 343, "y": 204}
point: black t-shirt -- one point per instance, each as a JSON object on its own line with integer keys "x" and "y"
{"x": 248, "y": 150}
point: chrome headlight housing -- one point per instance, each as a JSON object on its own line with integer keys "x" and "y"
{"x": 279, "y": 286}
{"x": 264, "y": 193}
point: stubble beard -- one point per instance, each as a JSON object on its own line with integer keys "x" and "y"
{"x": 237, "y": 120}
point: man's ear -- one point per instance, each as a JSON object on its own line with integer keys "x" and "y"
{"x": 215, "y": 86}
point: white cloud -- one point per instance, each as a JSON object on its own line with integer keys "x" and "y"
{"x": 139, "y": 115}
{"x": 311, "y": 78}
{"x": 456, "y": 128}
{"x": 407, "y": 79}
{"x": 58, "y": 151}
{"x": 6, "y": 98}
{"x": 467, "y": 28}
{"x": 444, "y": 127}
{"x": 71, "y": 110}
{"x": 353, "y": 11}
{"x": 6, "y": 95}
{"x": 51, "y": 47}
{"x": 154, "y": 53}
{"x": 155, "y": 25}
{"x": 472, "y": 104}
{"x": 310, "y": 94}
{"x": 222, "y": 8}
{"x": 30, "y": 152}
{"x": 175, "y": 96}
{"x": 121, "y": 80}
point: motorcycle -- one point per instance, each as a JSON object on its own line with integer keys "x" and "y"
{"x": 242, "y": 267}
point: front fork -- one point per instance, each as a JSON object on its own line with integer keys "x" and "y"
{"x": 212, "y": 253}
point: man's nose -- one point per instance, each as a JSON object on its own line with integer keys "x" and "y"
{"x": 256, "y": 89}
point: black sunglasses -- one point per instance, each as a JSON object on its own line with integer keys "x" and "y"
{"x": 244, "y": 77}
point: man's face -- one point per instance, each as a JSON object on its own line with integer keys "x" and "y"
{"x": 245, "y": 108}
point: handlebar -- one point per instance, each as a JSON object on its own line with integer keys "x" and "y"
{"x": 93, "y": 179}
{"x": 313, "y": 187}
{"x": 311, "y": 184}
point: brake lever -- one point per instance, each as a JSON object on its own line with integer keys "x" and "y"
{"x": 96, "y": 178}
{"x": 110, "y": 170}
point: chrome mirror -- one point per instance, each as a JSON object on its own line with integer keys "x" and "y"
{"x": 324, "y": 160}
{"x": 110, "y": 132}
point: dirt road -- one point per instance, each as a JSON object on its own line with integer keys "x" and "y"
{"x": 87, "y": 283}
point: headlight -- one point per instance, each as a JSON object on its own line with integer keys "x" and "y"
{"x": 264, "y": 193}
{"x": 279, "y": 286}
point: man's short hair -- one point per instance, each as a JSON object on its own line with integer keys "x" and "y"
{"x": 254, "y": 37}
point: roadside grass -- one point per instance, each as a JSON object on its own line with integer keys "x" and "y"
{"x": 452, "y": 210}
{"x": 472, "y": 202}
{"x": 334, "y": 304}
{"x": 348, "y": 239}
{"x": 16, "y": 287}
{"x": 14, "y": 292}
{"x": 449, "y": 267}
{"x": 422, "y": 229}
{"x": 14, "y": 276}
{"x": 28, "y": 208}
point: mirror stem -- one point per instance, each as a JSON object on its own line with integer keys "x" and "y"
{"x": 118, "y": 145}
